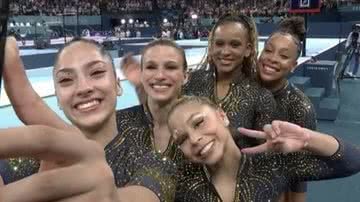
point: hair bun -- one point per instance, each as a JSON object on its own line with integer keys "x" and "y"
{"x": 294, "y": 26}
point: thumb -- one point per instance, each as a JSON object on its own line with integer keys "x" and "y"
{"x": 1, "y": 181}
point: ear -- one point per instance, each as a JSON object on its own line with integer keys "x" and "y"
{"x": 223, "y": 117}
{"x": 119, "y": 90}
{"x": 186, "y": 77}
{"x": 248, "y": 50}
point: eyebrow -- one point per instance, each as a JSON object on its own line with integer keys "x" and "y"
{"x": 70, "y": 69}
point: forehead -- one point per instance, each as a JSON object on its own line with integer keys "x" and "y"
{"x": 79, "y": 53}
{"x": 184, "y": 111}
{"x": 231, "y": 30}
{"x": 281, "y": 40}
{"x": 162, "y": 53}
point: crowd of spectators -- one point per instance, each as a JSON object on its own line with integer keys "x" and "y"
{"x": 203, "y": 8}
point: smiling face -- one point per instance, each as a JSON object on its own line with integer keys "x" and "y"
{"x": 278, "y": 58}
{"x": 163, "y": 73}
{"x": 230, "y": 45}
{"x": 85, "y": 85}
{"x": 200, "y": 131}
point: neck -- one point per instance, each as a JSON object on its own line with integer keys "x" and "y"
{"x": 104, "y": 134}
{"x": 229, "y": 164}
{"x": 276, "y": 86}
{"x": 159, "y": 111}
{"x": 225, "y": 78}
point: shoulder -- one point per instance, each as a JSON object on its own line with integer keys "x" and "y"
{"x": 299, "y": 100}
{"x": 129, "y": 115}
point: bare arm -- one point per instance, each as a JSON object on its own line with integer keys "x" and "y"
{"x": 136, "y": 194}
{"x": 286, "y": 137}
{"x": 84, "y": 175}
{"x": 28, "y": 105}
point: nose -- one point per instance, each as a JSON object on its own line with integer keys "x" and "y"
{"x": 225, "y": 50}
{"x": 84, "y": 87}
{"x": 273, "y": 58}
{"x": 160, "y": 74}
{"x": 195, "y": 138}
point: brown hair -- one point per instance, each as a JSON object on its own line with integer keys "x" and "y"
{"x": 164, "y": 42}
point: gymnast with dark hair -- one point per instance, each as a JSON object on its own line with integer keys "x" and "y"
{"x": 277, "y": 61}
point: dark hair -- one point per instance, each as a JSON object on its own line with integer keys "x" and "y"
{"x": 294, "y": 26}
{"x": 249, "y": 24}
{"x": 96, "y": 44}
{"x": 165, "y": 42}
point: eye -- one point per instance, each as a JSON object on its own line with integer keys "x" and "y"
{"x": 98, "y": 73}
{"x": 235, "y": 44}
{"x": 284, "y": 57}
{"x": 219, "y": 43}
{"x": 199, "y": 122}
{"x": 64, "y": 81}
{"x": 150, "y": 67}
{"x": 267, "y": 50}
{"x": 172, "y": 67}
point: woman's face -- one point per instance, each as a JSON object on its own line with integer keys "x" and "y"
{"x": 278, "y": 58}
{"x": 163, "y": 73}
{"x": 85, "y": 85}
{"x": 200, "y": 131}
{"x": 229, "y": 47}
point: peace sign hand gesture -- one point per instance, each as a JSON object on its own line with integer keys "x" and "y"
{"x": 280, "y": 136}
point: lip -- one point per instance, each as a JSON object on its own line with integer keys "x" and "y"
{"x": 88, "y": 105}
{"x": 269, "y": 69}
{"x": 225, "y": 61}
{"x": 206, "y": 149}
{"x": 160, "y": 86}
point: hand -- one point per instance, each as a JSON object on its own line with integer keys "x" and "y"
{"x": 85, "y": 175}
{"x": 131, "y": 69}
{"x": 280, "y": 136}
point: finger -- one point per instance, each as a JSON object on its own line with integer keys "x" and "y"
{"x": 51, "y": 185}
{"x": 252, "y": 133}
{"x": 269, "y": 131}
{"x": 276, "y": 127}
{"x": 45, "y": 143}
{"x": 1, "y": 181}
{"x": 258, "y": 149}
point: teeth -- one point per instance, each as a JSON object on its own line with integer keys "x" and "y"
{"x": 88, "y": 104}
{"x": 207, "y": 148}
{"x": 160, "y": 86}
{"x": 269, "y": 69}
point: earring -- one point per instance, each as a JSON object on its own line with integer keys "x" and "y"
{"x": 226, "y": 122}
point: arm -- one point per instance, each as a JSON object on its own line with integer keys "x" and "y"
{"x": 132, "y": 71}
{"x": 136, "y": 194}
{"x": 32, "y": 110}
{"x": 324, "y": 156}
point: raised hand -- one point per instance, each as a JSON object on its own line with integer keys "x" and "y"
{"x": 131, "y": 69}
{"x": 84, "y": 176}
{"x": 280, "y": 136}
